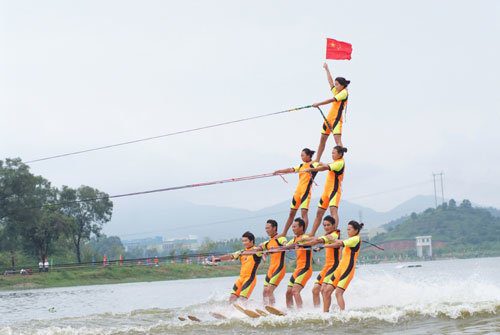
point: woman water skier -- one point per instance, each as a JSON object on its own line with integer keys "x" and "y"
{"x": 245, "y": 284}
{"x": 333, "y": 186}
{"x": 345, "y": 271}
{"x": 332, "y": 255}
{"x": 302, "y": 195}
{"x": 334, "y": 118}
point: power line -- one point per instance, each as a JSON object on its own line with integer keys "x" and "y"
{"x": 164, "y": 135}
{"x": 390, "y": 190}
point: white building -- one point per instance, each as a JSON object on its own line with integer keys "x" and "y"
{"x": 149, "y": 243}
{"x": 190, "y": 243}
{"x": 423, "y": 243}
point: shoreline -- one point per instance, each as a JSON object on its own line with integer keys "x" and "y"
{"x": 100, "y": 275}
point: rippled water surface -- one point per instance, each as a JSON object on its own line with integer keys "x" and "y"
{"x": 446, "y": 297}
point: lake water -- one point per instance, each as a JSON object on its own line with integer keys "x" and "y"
{"x": 441, "y": 297}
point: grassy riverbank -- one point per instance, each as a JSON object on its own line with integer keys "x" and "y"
{"x": 114, "y": 274}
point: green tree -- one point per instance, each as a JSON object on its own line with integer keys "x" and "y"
{"x": 207, "y": 246}
{"x": 9, "y": 240}
{"x": 24, "y": 216}
{"x": 15, "y": 182}
{"x": 89, "y": 210}
{"x": 43, "y": 223}
{"x": 103, "y": 245}
{"x": 466, "y": 204}
{"x": 136, "y": 252}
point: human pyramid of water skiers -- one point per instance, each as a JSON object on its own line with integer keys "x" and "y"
{"x": 340, "y": 255}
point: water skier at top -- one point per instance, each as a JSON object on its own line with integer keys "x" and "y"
{"x": 334, "y": 118}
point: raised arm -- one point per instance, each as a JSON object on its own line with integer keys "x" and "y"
{"x": 290, "y": 246}
{"x": 276, "y": 249}
{"x": 312, "y": 241}
{"x": 328, "y": 75}
{"x": 336, "y": 244}
{"x": 259, "y": 248}
{"x": 256, "y": 250}
{"x": 321, "y": 167}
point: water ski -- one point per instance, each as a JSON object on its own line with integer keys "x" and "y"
{"x": 261, "y": 312}
{"x": 274, "y": 311}
{"x": 193, "y": 318}
{"x": 247, "y": 312}
{"x": 218, "y": 316}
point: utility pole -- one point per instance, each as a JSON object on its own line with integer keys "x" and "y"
{"x": 435, "y": 194}
{"x": 434, "y": 175}
{"x": 442, "y": 186}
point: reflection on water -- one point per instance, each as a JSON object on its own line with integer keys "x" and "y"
{"x": 450, "y": 297}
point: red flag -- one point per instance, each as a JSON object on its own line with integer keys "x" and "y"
{"x": 338, "y": 49}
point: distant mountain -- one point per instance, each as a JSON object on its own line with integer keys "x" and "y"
{"x": 415, "y": 204}
{"x": 168, "y": 217}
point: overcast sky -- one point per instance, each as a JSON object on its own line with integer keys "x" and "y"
{"x": 423, "y": 98}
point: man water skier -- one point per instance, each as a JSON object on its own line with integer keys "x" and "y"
{"x": 332, "y": 256}
{"x": 250, "y": 258}
{"x": 277, "y": 264}
{"x": 303, "y": 270}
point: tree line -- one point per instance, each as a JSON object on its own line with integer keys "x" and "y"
{"x": 457, "y": 230}
{"x": 449, "y": 222}
{"x": 37, "y": 217}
